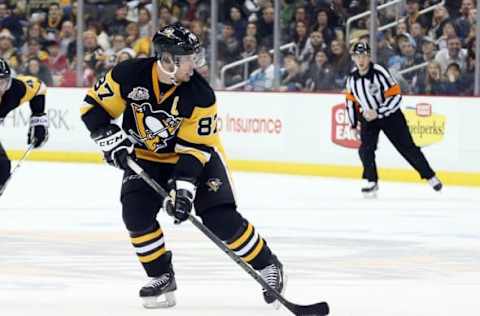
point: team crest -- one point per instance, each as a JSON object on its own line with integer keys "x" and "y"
{"x": 154, "y": 128}
{"x": 373, "y": 88}
{"x": 214, "y": 184}
{"x": 139, "y": 94}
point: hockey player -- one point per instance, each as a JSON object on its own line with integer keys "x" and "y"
{"x": 14, "y": 92}
{"x": 168, "y": 117}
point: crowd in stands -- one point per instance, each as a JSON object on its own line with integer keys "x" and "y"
{"x": 38, "y": 37}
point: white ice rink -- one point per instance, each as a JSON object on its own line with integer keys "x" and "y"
{"x": 413, "y": 252}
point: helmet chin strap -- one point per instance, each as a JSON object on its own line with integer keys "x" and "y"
{"x": 170, "y": 74}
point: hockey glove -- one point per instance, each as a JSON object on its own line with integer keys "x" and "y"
{"x": 38, "y": 130}
{"x": 114, "y": 143}
{"x": 180, "y": 202}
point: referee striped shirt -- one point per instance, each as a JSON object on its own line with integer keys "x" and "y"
{"x": 376, "y": 90}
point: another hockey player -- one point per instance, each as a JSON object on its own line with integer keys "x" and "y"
{"x": 374, "y": 93}
{"x": 169, "y": 124}
{"x": 14, "y": 92}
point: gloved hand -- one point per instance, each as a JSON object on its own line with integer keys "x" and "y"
{"x": 370, "y": 115}
{"x": 180, "y": 202}
{"x": 114, "y": 143}
{"x": 38, "y": 130}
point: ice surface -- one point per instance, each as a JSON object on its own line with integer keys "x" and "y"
{"x": 413, "y": 252}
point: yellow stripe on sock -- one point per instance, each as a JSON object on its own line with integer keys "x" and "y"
{"x": 255, "y": 252}
{"x": 147, "y": 237}
{"x": 242, "y": 238}
{"x": 153, "y": 256}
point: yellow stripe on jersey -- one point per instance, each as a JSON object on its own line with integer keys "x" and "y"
{"x": 106, "y": 92}
{"x": 246, "y": 234}
{"x": 200, "y": 128}
{"x": 156, "y": 86}
{"x": 146, "y": 237}
{"x": 149, "y": 258}
{"x": 255, "y": 252}
{"x": 158, "y": 157}
{"x": 33, "y": 87}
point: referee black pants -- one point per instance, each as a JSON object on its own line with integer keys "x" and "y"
{"x": 395, "y": 128}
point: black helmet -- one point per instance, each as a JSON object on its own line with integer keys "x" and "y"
{"x": 5, "y": 72}
{"x": 361, "y": 48}
{"x": 176, "y": 40}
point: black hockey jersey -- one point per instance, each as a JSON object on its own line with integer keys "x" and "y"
{"x": 24, "y": 89}
{"x": 164, "y": 121}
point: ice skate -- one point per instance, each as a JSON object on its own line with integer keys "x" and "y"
{"x": 369, "y": 189}
{"x": 153, "y": 291}
{"x": 273, "y": 275}
{"x": 435, "y": 183}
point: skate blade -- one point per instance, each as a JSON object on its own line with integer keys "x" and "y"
{"x": 153, "y": 302}
{"x": 276, "y": 304}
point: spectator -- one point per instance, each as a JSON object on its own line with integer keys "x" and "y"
{"x": 37, "y": 69}
{"x": 463, "y": 22}
{"x": 418, "y": 32}
{"x": 453, "y": 53}
{"x": 118, "y": 43}
{"x": 252, "y": 30}
{"x": 67, "y": 36}
{"x": 195, "y": 10}
{"x": 412, "y": 9}
{"x": 165, "y": 17}
{"x": 12, "y": 23}
{"x": 54, "y": 20}
{"x": 228, "y": 46}
{"x": 141, "y": 45}
{"x": 300, "y": 16}
{"x": 429, "y": 49}
{"x": 291, "y": 76}
{"x": 300, "y": 50}
{"x": 453, "y": 85}
{"x": 432, "y": 81}
{"x": 57, "y": 62}
{"x": 8, "y": 50}
{"x": 341, "y": 64}
{"x": 314, "y": 44}
{"x": 239, "y": 24}
{"x": 322, "y": 24}
{"x": 319, "y": 76}
{"x": 95, "y": 57}
{"x": 448, "y": 30}
{"x": 144, "y": 22}
{"x": 262, "y": 78}
{"x": 102, "y": 37}
{"x": 265, "y": 27}
{"x": 384, "y": 49}
{"x": 34, "y": 50}
{"x": 120, "y": 22}
{"x": 249, "y": 49}
{"x": 440, "y": 17}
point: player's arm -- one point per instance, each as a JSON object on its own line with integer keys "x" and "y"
{"x": 392, "y": 91}
{"x": 196, "y": 140}
{"x": 102, "y": 104}
{"x": 35, "y": 91}
{"x": 351, "y": 102}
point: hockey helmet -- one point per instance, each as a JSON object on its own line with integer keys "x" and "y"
{"x": 360, "y": 48}
{"x": 176, "y": 40}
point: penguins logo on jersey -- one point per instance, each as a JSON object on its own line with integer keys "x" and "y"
{"x": 214, "y": 184}
{"x": 154, "y": 128}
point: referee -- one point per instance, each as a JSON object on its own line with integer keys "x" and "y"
{"x": 374, "y": 99}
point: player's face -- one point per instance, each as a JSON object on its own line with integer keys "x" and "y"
{"x": 362, "y": 61}
{"x": 185, "y": 65}
{"x": 4, "y": 85}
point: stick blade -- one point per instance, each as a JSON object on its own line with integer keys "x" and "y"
{"x": 318, "y": 309}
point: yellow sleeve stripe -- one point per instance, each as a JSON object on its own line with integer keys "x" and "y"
{"x": 147, "y": 237}
{"x": 85, "y": 108}
{"x": 237, "y": 243}
{"x": 200, "y": 155}
{"x": 157, "y": 254}
{"x": 255, "y": 252}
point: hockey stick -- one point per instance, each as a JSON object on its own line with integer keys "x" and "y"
{"x": 19, "y": 163}
{"x": 317, "y": 309}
